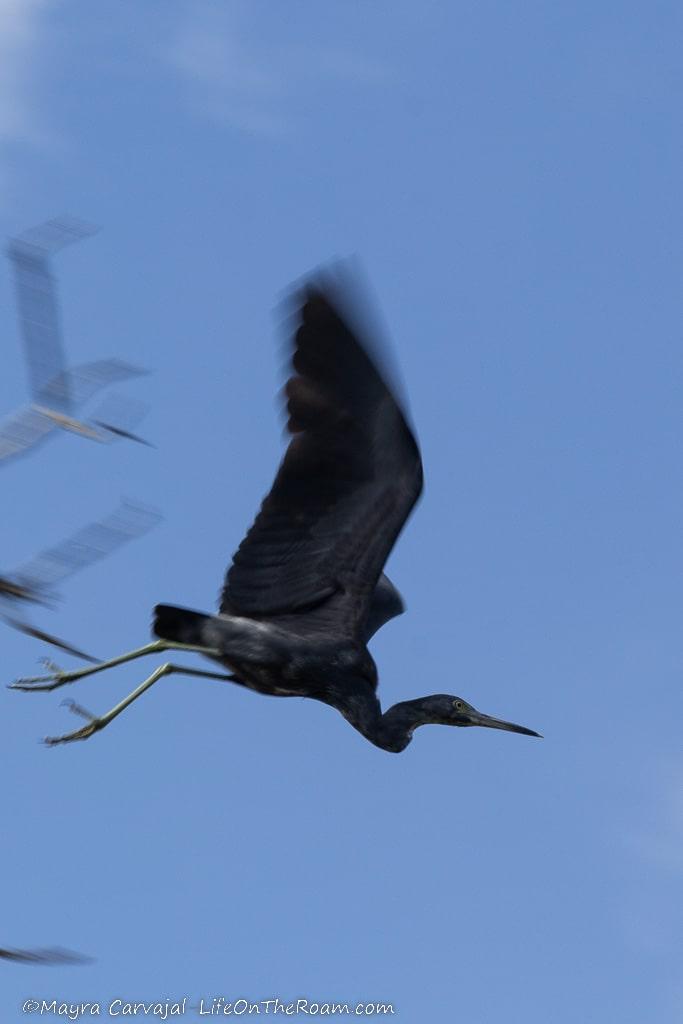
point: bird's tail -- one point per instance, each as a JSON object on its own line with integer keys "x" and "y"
{"x": 178, "y": 624}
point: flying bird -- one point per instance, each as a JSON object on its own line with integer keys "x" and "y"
{"x": 36, "y": 580}
{"x": 58, "y": 393}
{"x": 44, "y": 957}
{"x": 306, "y": 589}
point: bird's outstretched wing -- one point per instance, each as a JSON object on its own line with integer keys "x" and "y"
{"x": 53, "y": 235}
{"x": 23, "y": 431}
{"x": 349, "y": 479}
{"x": 385, "y": 604}
{"x": 82, "y": 382}
{"x": 88, "y": 545}
{"x": 38, "y": 306}
{"x": 35, "y": 580}
{"x": 45, "y": 957}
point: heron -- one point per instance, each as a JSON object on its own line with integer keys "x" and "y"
{"x": 35, "y": 581}
{"x": 59, "y": 393}
{"x": 306, "y": 589}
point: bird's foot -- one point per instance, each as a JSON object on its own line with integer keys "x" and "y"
{"x": 84, "y": 733}
{"x": 55, "y": 677}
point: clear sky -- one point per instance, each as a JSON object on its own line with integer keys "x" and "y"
{"x": 510, "y": 176}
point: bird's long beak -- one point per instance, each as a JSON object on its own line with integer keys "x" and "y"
{"x": 120, "y": 432}
{"x": 497, "y": 723}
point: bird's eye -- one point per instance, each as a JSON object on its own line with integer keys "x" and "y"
{"x": 458, "y": 705}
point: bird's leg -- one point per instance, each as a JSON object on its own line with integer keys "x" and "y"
{"x": 95, "y": 724}
{"x": 57, "y": 677}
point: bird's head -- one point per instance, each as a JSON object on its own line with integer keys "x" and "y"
{"x": 445, "y": 709}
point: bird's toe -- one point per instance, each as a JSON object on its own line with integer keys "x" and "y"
{"x": 38, "y": 683}
{"x": 79, "y": 734}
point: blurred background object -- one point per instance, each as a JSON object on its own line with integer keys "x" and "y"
{"x": 35, "y": 581}
{"x": 58, "y": 393}
{"x": 44, "y": 957}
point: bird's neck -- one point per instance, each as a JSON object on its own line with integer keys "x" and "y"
{"x": 397, "y": 725}
{"x": 391, "y": 730}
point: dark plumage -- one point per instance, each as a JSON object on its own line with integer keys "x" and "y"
{"x": 306, "y": 591}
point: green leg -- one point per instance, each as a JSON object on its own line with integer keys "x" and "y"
{"x": 58, "y": 678}
{"x": 95, "y": 724}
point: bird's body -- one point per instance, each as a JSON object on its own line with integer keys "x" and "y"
{"x": 277, "y": 662}
{"x": 306, "y": 589}
{"x": 58, "y": 392}
{"x": 298, "y": 600}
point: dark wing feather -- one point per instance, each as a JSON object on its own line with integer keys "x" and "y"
{"x": 386, "y": 604}
{"x": 349, "y": 479}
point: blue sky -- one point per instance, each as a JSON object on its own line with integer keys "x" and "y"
{"x": 510, "y": 177}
